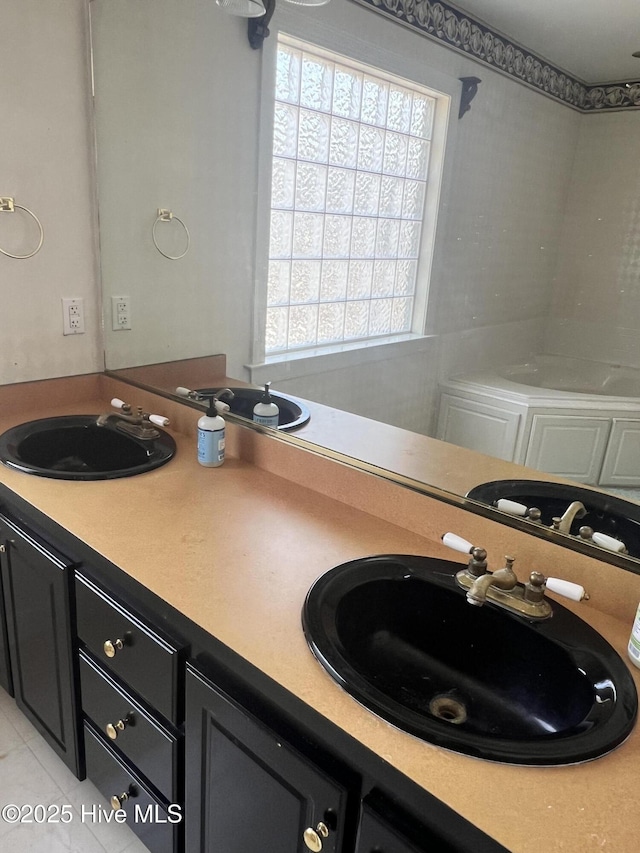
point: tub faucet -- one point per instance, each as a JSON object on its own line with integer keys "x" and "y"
{"x": 502, "y": 579}
{"x": 576, "y": 509}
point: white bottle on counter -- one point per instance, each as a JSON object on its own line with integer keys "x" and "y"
{"x": 633, "y": 648}
{"x": 266, "y": 412}
{"x": 211, "y": 437}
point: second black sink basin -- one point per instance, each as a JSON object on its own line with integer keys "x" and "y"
{"x": 293, "y": 413}
{"x": 398, "y": 634}
{"x": 74, "y": 447}
{"x": 606, "y": 513}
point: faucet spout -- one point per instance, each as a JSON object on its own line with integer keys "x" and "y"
{"x": 503, "y": 579}
{"x": 576, "y": 509}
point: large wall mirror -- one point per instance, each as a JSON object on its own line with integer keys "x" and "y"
{"x": 534, "y": 278}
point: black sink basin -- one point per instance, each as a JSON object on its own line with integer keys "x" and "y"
{"x": 605, "y": 513}
{"x": 73, "y": 447}
{"x": 399, "y": 635}
{"x": 293, "y": 413}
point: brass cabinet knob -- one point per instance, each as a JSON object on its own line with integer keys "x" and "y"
{"x": 2, "y": 549}
{"x": 313, "y": 837}
{"x": 118, "y": 800}
{"x": 114, "y": 729}
{"x": 111, "y": 647}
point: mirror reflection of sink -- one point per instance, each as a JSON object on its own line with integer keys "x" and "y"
{"x": 606, "y": 513}
{"x": 74, "y": 447}
{"x": 398, "y": 634}
{"x": 293, "y": 413}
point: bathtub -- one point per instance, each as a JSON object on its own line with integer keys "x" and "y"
{"x": 575, "y": 418}
{"x": 572, "y": 375}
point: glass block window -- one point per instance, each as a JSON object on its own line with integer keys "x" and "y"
{"x": 349, "y": 181}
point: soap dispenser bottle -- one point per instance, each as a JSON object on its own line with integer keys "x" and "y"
{"x": 266, "y": 412}
{"x": 633, "y": 649}
{"x": 211, "y": 435}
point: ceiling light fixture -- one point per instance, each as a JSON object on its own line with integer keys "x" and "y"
{"x": 243, "y": 8}
{"x": 259, "y": 13}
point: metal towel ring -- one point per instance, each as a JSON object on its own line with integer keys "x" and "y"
{"x": 165, "y": 215}
{"x": 8, "y": 205}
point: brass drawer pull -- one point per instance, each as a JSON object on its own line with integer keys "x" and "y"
{"x": 118, "y": 800}
{"x": 313, "y": 837}
{"x": 114, "y": 729}
{"x": 112, "y": 646}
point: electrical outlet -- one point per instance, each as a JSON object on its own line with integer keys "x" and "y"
{"x": 73, "y": 316}
{"x": 120, "y": 313}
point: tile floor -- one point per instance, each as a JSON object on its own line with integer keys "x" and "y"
{"x": 30, "y": 774}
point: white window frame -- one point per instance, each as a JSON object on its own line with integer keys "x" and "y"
{"x": 389, "y": 65}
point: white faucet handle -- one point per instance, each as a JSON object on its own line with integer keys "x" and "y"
{"x": 512, "y": 507}
{"x": 608, "y": 542}
{"x": 159, "y": 420}
{"x": 452, "y": 540}
{"x": 117, "y": 403}
{"x": 570, "y": 590}
{"x": 183, "y": 392}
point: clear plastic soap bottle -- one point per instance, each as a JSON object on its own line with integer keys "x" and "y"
{"x": 211, "y": 435}
{"x": 633, "y": 648}
{"x": 266, "y": 411}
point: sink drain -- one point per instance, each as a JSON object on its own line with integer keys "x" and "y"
{"x": 448, "y": 709}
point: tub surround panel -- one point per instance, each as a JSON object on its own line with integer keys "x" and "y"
{"x": 596, "y": 306}
{"x": 598, "y": 338}
{"x": 486, "y": 346}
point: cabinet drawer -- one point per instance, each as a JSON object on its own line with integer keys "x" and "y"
{"x": 151, "y": 747}
{"x": 128, "y": 647}
{"x": 151, "y": 819}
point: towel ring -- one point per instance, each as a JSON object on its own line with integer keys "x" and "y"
{"x": 165, "y": 215}
{"x": 8, "y": 205}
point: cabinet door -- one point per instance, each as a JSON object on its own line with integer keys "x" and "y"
{"x": 249, "y": 790}
{"x": 384, "y": 828}
{"x": 375, "y": 836}
{"x": 478, "y": 426}
{"x": 5, "y": 668}
{"x": 621, "y": 466}
{"x": 571, "y": 447}
{"x": 36, "y": 589}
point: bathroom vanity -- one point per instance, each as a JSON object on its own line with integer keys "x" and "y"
{"x": 169, "y": 611}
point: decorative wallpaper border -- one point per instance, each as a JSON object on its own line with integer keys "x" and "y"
{"x": 460, "y": 31}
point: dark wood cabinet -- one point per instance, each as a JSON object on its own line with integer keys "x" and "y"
{"x": 36, "y": 584}
{"x": 386, "y": 828}
{"x": 171, "y": 723}
{"x": 130, "y": 647}
{"x": 156, "y": 823}
{"x": 133, "y": 730}
{"x": 5, "y": 666}
{"x": 130, "y": 676}
{"x": 247, "y": 789}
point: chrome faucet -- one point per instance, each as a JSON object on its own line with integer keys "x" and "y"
{"x": 576, "y": 509}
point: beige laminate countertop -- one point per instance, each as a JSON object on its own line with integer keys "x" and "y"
{"x": 236, "y": 548}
